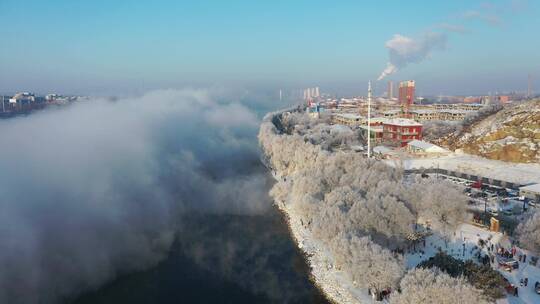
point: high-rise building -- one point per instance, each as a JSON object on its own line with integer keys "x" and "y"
{"x": 311, "y": 93}
{"x": 390, "y": 92}
{"x": 406, "y": 92}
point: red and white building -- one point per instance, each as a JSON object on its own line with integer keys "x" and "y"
{"x": 400, "y": 131}
{"x": 406, "y": 93}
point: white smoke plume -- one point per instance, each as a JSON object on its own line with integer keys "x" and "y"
{"x": 404, "y": 50}
{"x": 95, "y": 189}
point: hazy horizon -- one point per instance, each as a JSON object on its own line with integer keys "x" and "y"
{"x": 125, "y": 48}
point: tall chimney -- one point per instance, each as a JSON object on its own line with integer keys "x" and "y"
{"x": 529, "y": 88}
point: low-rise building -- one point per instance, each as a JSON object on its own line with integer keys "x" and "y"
{"x": 453, "y": 114}
{"x": 22, "y": 98}
{"x": 458, "y": 106}
{"x": 531, "y": 192}
{"x": 376, "y": 133}
{"x": 391, "y": 114}
{"x": 400, "y": 131}
{"x": 424, "y": 115}
{"x": 420, "y": 147}
{"x": 348, "y": 119}
{"x": 382, "y": 151}
{"x": 377, "y": 121}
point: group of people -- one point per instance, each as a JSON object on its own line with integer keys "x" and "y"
{"x": 382, "y": 295}
{"x": 507, "y": 253}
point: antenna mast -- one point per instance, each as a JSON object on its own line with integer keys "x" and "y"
{"x": 369, "y": 120}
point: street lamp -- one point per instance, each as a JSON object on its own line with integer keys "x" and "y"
{"x": 485, "y": 209}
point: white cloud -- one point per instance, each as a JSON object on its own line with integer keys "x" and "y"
{"x": 455, "y": 28}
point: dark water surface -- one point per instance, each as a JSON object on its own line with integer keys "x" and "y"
{"x": 221, "y": 259}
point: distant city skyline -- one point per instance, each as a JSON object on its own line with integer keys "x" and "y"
{"x": 122, "y": 47}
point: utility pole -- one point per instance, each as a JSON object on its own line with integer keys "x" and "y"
{"x": 529, "y": 89}
{"x": 369, "y": 120}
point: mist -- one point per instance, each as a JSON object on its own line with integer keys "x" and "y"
{"x": 96, "y": 189}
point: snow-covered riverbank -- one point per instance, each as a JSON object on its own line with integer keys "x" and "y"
{"x": 332, "y": 282}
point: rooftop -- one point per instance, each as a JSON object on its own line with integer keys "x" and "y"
{"x": 373, "y": 128}
{"x": 424, "y": 145}
{"x": 403, "y": 122}
{"x": 423, "y": 111}
{"x": 532, "y": 188}
{"x": 378, "y": 119}
{"x": 456, "y": 111}
{"x": 349, "y": 116}
{"x": 381, "y": 149}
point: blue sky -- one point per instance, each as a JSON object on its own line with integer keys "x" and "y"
{"x": 122, "y": 47}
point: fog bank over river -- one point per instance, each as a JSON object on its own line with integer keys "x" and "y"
{"x": 101, "y": 189}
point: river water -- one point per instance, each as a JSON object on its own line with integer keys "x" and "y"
{"x": 221, "y": 259}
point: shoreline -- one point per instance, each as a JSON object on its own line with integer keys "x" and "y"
{"x": 329, "y": 281}
{"x": 305, "y": 255}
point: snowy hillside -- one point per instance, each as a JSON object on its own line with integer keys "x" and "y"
{"x": 512, "y": 134}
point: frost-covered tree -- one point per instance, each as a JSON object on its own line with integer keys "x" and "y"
{"x": 442, "y": 203}
{"x": 481, "y": 114}
{"x": 529, "y": 233}
{"x": 433, "y": 130}
{"x": 356, "y": 208}
{"x": 382, "y": 214}
{"x": 367, "y": 264}
{"x": 431, "y": 286}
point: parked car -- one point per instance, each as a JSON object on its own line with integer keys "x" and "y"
{"x": 507, "y": 263}
{"x": 537, "y": 287}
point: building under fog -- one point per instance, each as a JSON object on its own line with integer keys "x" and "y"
{"x": 23, "y": 98}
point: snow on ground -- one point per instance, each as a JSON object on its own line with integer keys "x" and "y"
{"x": 512, "y": 172}
{"x": 526, "y": 294}
{"x": 331, "y": 281}
{"x": 465, "y": 234}
{"x": 469, "y": 235}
